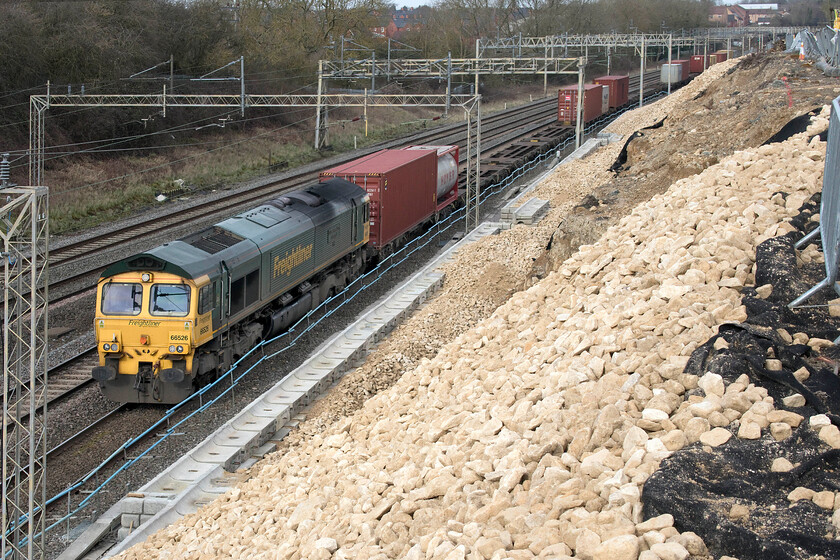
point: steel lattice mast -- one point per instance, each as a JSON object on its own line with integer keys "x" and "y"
{"x": 25, "y": 231}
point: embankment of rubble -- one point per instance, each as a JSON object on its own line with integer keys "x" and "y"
{"x": 533, "y": 433}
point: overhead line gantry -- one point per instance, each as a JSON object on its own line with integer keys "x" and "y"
{"x": 471, "y": 104}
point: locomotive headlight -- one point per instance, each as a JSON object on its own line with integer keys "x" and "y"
{"x": 114, "y": 347}
{"x": 146, "y": 277}
{"x": 179, "y": 349}
{"x": 172, "y": 348}
{"x": 106, "y": 347}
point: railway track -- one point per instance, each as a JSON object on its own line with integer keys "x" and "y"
{"x": 95, "y": 427}
{"x": 504, "y": 135}
{"x": 71, "y": 375}
{"x": 498, "y": 130}
{"x": 65, "y": 379}
{"x": 537, "y": 119}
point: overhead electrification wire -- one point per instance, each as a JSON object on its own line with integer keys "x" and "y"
{"x": 52, "y": 155}
{"x": 187, "y": 158}
{"x": 188, "y": 126}
{"x": 160, "y": 147}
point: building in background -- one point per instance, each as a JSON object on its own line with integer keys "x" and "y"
{"x": 742, "y": 15}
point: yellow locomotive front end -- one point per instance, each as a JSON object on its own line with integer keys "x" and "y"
{"x": 146, "y": 336}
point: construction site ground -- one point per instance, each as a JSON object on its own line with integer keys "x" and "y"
{"x": 529, "y": 412}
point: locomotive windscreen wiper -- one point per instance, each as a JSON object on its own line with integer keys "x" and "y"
{"x": 178, "y": 301}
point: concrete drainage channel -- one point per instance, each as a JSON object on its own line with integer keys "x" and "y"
{"x": 206, "y": 472}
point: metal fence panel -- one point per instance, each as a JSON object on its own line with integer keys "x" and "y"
{"x": 823, "y": 46}
{"x": 829, "y": 228}
{"x": 830, "y": 204}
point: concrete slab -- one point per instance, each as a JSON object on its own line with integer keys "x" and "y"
{"x": 262, "y": 426}
{"x": 216, "y": 454}
{"x": 299, "y": 385}
{"x": 91, "y": 536}
{"x": 530, "y": 212}
{"x": 167, "y": 484}
{"x": 189, "y": 471}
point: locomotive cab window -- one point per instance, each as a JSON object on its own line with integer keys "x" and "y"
{"x": 119, "y": 298}
{"x": 170, "y": 300}
{"x": 205, "y": 299}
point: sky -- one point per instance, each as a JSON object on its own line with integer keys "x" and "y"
{"x": 412, "y": 3}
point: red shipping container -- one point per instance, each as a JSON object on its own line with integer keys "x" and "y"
{"x": 401, "y": 184}
{"x": 722, "y": 55}
{"x": 686, "y": 67}
{"x": 619, "y": 87}
{"x": 567, "y": 103}
{"x": 698, "y": 63}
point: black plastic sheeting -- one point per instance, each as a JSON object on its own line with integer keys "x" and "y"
{"x": 698, "y": 485}
{"x": 795, "y": 126}
{"x": 618, "y": 164}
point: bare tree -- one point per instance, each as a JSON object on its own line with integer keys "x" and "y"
{"x": 294, "y": 33}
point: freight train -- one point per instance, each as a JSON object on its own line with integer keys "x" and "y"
{"x": 610, "y": 93}
{"x": 605, "y": 95}
{"x": 173, "y": 318}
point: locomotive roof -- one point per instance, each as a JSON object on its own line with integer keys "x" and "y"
{"x": 240, "y": 236}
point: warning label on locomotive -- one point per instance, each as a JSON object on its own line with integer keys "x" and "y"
{"x": 285, "y": 265}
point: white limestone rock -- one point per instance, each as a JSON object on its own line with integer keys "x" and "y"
{"x": 780, "y": 464}
{"x": 712, "y": 384}
{"x": 622, "y": 547}
{"x": 670, "y": 551}
{"x": 715, "y": 437}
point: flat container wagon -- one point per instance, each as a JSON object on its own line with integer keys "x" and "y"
{"x": 567, "y": 103}
{"x": 619, "y": 89}
{"x": 698, "y": 63}
{"x": 402, "y": 186}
